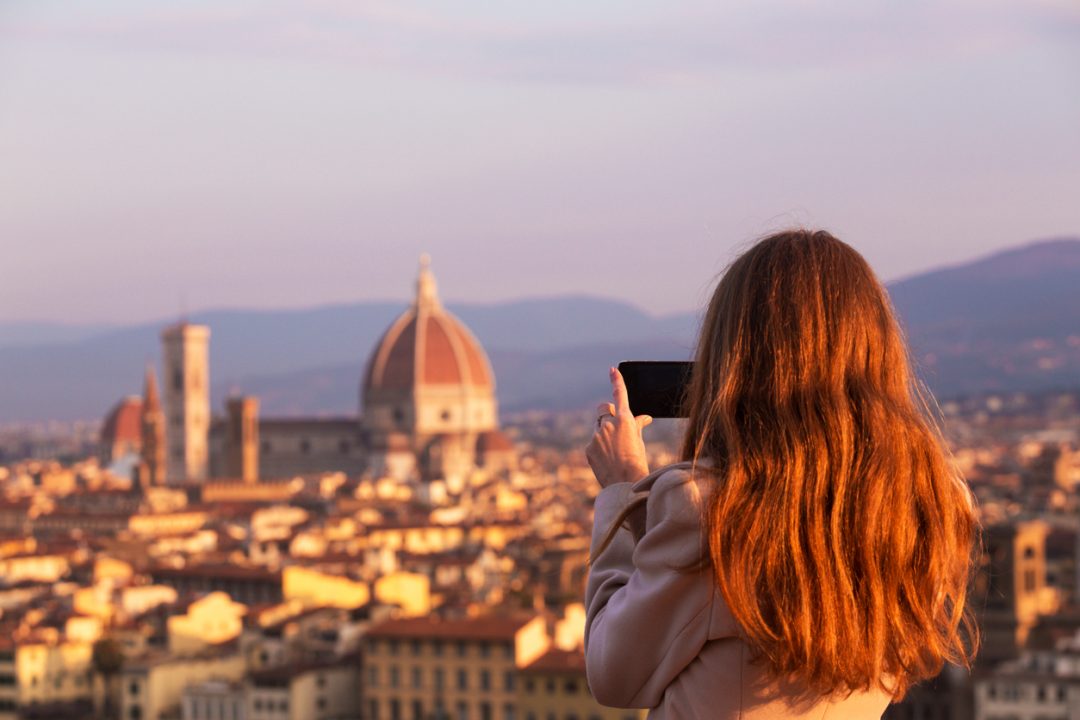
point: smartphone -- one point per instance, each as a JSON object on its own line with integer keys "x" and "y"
{"x": 656, "y": 387}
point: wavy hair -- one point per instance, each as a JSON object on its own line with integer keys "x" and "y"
{"x": 839, "y": 532}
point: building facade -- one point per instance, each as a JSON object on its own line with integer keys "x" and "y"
{"x": 467, "y": 669}
{"x": 187, "y": 401}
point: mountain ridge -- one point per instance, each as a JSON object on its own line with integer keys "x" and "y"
{"x": 1008, "y": 320}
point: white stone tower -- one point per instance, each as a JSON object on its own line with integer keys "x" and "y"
{"x": 187, "y": 400}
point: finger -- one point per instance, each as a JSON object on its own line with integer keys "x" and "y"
{"x": 605, "y": 408}
{"x": 618, "y": 392}
{"x": 643, "y": 421}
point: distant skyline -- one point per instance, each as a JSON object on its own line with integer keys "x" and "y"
{"x": 190, "y": 155}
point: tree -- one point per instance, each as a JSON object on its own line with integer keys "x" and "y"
{"x": 108, "y": 660}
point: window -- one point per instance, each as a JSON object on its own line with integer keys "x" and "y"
{"x": 392, "y": 646}
{"x": 416, "y": 645}
{"x": 530, "y": 685}
{"x": 373, "y": 676}
{"x": 550, "y": 686}
{"x": 571, "y": 687}
{"x": 508, "y": 680}
{"x": 417, "y": 678}
{"x": 439, "y": 679}
{"x": 133, "y": 688}
{"x": 393, "y": 676}
{"x": 373, "y": 709}
{"x": 485, "y": 680}
{"x": 485, "y": 711}
{"x": 462, "y": 679}
{"x": 485, "y": 649}
{"x": 509, "y": 712}
{"x": 135, "y": 712}
{"x": 436, "y": 648}
{"x": 463, "y": 710}
{"x": 461, "y": 648}
{"x": 320, "y": 681}
{"x": 417, "y": 710}
{"x": 395, "y": 709}
{"x": 321, "y": 703}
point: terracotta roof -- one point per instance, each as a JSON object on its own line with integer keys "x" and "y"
{"x": 493, "y": 441}
{"x": 426, "y": 345}
{"x": 151, "y": 398}
{"x": 556, "y": 660}
{"x": 484, "y": 627}
{"x": 124, "y": 422}
{"x": 225, "y": 572}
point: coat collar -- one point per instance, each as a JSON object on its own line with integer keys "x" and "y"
{"x": 645, "y": 484}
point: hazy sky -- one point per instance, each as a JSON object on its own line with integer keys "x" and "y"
{"x": 271, "y": 153}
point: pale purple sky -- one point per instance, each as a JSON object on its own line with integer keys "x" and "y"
{"x": 263, "y": 153}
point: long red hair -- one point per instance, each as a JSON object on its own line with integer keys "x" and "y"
{"x": 840, "y": 534}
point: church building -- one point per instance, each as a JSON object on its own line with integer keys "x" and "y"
{"x": 428, "y": 394}
{"x": 428, "y": 413}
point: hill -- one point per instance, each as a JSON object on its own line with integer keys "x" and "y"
{"x": 1010, "y": 321}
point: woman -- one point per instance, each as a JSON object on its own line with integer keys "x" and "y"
{"x": 809, "y": 557}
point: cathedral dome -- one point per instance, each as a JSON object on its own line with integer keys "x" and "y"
{"x": 428, "y": 376}
{"x": 427, "y": 346}
{"x": 124, "y": 422}
{"x": 121, "y": 433}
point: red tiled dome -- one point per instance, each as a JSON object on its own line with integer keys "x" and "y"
{"x": 493, "y": 441}
{"x": 427, "y": 345}
{"x": 124, "y": 422}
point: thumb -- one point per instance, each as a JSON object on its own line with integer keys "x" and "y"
{"x": 643, "y": 421}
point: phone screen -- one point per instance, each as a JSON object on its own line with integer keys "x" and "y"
{"x": 656, "y": 387}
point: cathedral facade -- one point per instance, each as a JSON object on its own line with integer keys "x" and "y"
{"x": 428, "y": 413}
{"x": 428, "y": 394}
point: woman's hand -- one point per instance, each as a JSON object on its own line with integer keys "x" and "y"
{"x": 616, "y": 452}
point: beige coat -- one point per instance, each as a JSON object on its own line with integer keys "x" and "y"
{"x": 659, "y": 638}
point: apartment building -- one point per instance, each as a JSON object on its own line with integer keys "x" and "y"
{"x": 554, "y": 687}
{"x": 466, "y": 669}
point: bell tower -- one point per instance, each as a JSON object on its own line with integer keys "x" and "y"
{"x": 153, "y": 433}
{"x": 187, "y": 400}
